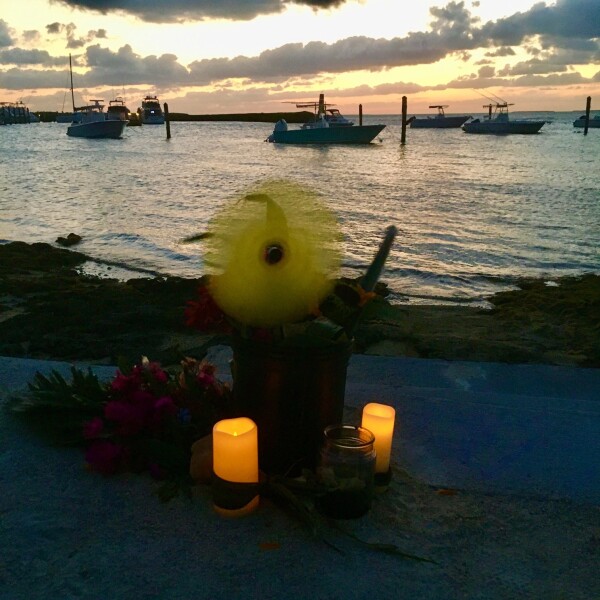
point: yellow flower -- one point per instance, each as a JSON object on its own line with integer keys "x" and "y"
{"x": 272, "y": 255}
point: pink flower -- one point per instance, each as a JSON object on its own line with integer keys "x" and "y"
{"x": 92, "y": 429}
{"x": 130, "y": 418}
{"x": 104, "y": 457}
{"x": 126, "y": 383}
{"x": 158, "y": 374}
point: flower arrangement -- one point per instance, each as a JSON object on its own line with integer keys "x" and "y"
{"x": 273, "y": 260}
{"x": 144, "y": 420}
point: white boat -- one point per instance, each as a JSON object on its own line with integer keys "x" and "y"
{"x": 150, "y": 113}
{"x": 439, "y": 121}
{"x": 91, "y": 121}
{"x": 328, "y": 127}
{"x": 593, "y": 123}
{"x": 117, "y": 110}
{"x": 94, "y": 124}
{"x": 498, "y": 122}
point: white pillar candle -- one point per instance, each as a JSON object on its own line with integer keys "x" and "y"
{"x": 235, "y": 458}
{"x": 379, "y": 419}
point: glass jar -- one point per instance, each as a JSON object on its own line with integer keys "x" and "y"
{"x": 346, "y": 472}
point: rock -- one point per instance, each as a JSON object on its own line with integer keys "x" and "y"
{"x": 70, "y": 240}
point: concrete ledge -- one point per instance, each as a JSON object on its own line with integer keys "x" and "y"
{"x": 521, "y": 522}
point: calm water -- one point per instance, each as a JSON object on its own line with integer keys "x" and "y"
{"x": 473, "y": 212}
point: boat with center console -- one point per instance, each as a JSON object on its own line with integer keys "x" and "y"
{"x": 439, "y": 121}
{"x": 498, "y": 122}
{"x": 328, "y": 127}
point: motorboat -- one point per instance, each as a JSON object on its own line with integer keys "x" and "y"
{"x": 497, "y": 122}
{"x": 150, "y": 113}
{"x": 91, "y": 121}
{"x": 593, "y": 122}
{"x": 439, "y": 121}
{"x": 117, "y": 110}
{"x": 333, "y": 117}
{"x": 328, "y": 127}
{"x": 16, "y": 112}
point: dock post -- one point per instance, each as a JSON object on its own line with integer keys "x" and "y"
{"x": 588, "y": 106}
{"x": 167, "y": 121}
{"x": 404, "y": 109}
{"x": 360, "y": 114}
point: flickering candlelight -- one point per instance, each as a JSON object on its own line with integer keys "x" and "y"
{"x": 235, "y": 461}
{"x": 379, "y": 419}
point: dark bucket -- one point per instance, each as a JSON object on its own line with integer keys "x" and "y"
{"x": 291, "y": 393}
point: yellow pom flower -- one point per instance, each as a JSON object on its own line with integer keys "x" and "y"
{"x": 272, "y": 255}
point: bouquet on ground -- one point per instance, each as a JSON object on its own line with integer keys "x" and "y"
{"x": 144, "y": 420}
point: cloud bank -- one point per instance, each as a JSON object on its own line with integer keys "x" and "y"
{"x": 556, "y": 37}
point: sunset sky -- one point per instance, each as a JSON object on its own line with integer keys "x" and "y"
{"x": 221, "y": 56}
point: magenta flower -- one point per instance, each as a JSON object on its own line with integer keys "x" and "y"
{"x": 158, "y": 374}
{"x": 129, "y": 418}
{"x": 104, "y": 457}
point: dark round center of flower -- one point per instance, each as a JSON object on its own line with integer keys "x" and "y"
{"x": 273, "y": 254}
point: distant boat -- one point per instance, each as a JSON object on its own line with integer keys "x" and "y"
{"x": 439, "y": 121}
{"x": 594, "y": 122}
{"x": 16, "y": 112}
{"x": 117, "y": 110}
{"x": 150, "y": 113}
{"x": 91, "y": 122}
{"x": 498, "y": 123}
{"x": 328, "y": 127}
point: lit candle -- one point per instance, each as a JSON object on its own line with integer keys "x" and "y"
{"x": 379, "y": 419}
{"x": 235, "y": 457}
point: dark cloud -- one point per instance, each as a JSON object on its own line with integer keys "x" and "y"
{"x": 566, "y": 19}
{"x": 19, "y": 56}
{"x": 502, "y": 51}
{"x": 31, "y": 36}
{"x": 115, "y": 68}
{"x": 170, "y": 11}
{"x": 6, "y": 34}
{"x": 73, "y": 41}
{"x": 54, "y": 28}
{"x": 454, "y": 32}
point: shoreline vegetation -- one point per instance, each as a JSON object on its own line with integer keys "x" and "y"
{"x": 49, "y": 310}
{"x": 291, "y": 117}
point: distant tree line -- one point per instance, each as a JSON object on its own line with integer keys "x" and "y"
{"x": 291, "y": 117}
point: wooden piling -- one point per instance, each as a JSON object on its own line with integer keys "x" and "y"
{"x": 588, "y": 106}
{"x": 167, "y": 121}
{"x": 404, "y": 110}
{"x": 360, "y": 114}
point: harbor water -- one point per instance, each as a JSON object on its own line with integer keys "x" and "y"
{"x": 473, "y": 212}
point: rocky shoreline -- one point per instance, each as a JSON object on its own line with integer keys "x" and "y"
{"x": 49, "y": 310}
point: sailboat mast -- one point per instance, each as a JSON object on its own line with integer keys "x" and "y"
{"x": 71, "y": 72}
